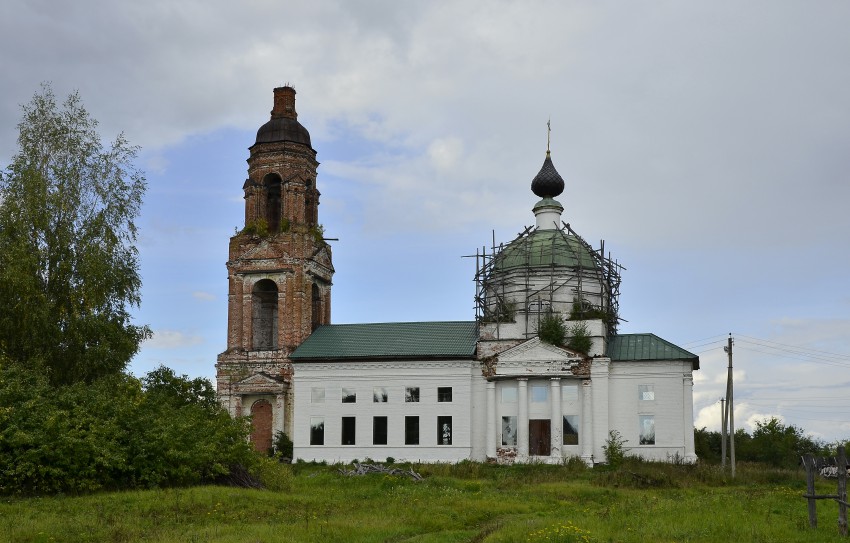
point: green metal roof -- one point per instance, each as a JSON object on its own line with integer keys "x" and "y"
{"x": 544, "y": 248}
{"x": 441, "y": 339}
{"x": 628, "y": 347}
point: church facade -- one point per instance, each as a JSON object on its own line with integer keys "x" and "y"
{"x": 540, "y": 374}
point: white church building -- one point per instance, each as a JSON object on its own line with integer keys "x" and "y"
{"x": 539, "y": 374}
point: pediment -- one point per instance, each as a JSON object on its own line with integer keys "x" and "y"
{"x": 535, "y": 350}
{"x": 259, "y": 379}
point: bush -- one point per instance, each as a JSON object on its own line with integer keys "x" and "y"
{"x": 273, "y": 475}
{"x": 117, "y": 432}
{"x": 551, "y": 328}
{"x": 614, "y": 448}
{"x": 282, "y": 446}
{"x": 580, "y": 338}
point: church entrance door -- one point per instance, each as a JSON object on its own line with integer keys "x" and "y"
{"x": 539, "y": 437}
{"x": 261, "y": 422}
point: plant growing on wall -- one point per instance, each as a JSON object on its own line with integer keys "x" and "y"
{"x": 551, "y": 328}
{"x": 257, "y": 227}
{"x": 579, "y": 338}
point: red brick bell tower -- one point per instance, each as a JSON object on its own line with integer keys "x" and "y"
{"x": 279, "y": 272}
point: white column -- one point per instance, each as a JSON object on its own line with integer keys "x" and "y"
{"x": 237, "y": 409}
{"x": 556, "y": 418}
{"x": 522, "y": 419}
{"x": 688, "y": 399}
{"x": 491, "y": 420}
{"x": 279, "y": 414}
{"x": 586, "y": 423}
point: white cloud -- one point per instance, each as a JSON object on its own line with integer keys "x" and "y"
{"x": 203, "y": 296}
{"x": 172, "y": 339}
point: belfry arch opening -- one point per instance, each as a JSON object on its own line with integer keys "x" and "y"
{"x": 272, "y": 186}
{"x": 316, "y": 307}
{"x": 264, "y": 318}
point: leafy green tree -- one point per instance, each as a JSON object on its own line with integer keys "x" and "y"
{"x": 69, "y": 269}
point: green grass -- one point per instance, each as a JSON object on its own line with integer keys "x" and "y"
{"x": 455, "y": 503}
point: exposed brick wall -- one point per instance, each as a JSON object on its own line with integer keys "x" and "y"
{"x": 261, "y": 422}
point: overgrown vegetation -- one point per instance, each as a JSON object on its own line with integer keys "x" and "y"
{"x": 580, "y": 339}
{"x": 455, "y": 502}
{"x": 71, "y": 419}
{"x": 503, "y": 311}
{"x": 614, "y": 449}
{"x": 551, "y": 328}
{"x": 772, "y": 443}
{"x": 582, "y": 310}
{"x": 69, "y": 269}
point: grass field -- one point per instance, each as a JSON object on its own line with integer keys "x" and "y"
{"x": 454, "y": 503}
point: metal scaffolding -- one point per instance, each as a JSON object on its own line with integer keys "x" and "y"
{"x": 524, "y": 275}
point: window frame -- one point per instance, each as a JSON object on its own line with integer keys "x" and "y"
{"x": 348, "y": 395}
{"x": 348, "y": 424}
{"x": 411, "y": 424}
{"x": 444, "y": 437}
{"x": 380, "y": 427}
{"x": 574, "y": 424}
{"x": 411, "y": 395}
{"x": 380, "y": 395}
{"x": 317, "y": 430}
{"x": 643, "y": 438}
{"x": 444, "y": 395}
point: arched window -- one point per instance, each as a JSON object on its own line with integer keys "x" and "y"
{"x": 317, "y": 307}
{"x": 271, "y": 183}
{"x": 264, "y": 318}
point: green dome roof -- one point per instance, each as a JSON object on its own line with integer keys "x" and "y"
{"x": 544, "y": 248}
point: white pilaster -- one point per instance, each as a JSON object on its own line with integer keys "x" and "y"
{"x": 278, "y": 415}
{"x": 556, "y": 418}
{"x": 522, "y": 419}
{"x": 688, "y": 399}
{"x": 491, "y": 420}
{"x": 586, "y": 435}
{"x": 599, "y": 373}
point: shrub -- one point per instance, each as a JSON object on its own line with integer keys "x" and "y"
{"x": 273, "y": 475}
{"x": 551, "y": 328}
{"x": 580, "y": 338}
{"x": 282, "y": 446}
{"x": 614, "y": 448}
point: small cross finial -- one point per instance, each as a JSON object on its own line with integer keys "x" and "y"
{"x": 548, "y": 135}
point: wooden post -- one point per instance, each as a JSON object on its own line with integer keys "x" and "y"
{"x": 810, "y": 465}
{"x": 841, "y": 462}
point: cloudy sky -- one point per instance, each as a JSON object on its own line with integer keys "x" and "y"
{"x": 707, "y": 142}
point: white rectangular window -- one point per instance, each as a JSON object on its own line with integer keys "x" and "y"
{"x": 349, "y": 395}
{"x": 539, "y": 393}
{"x": 411, "y": 394}
{"x": 444, "y": 394}
{"x": 379, "y": 395}
{"x": 570, "y": 430}
{"x": 647, "y": 429}
{"x": 317, "y": 430}
{"x": 411, "y": 430}
{"x": 646, "y": 393}
{"x": 379, "y": 430}
{"x": 444, "y": 430}
{"x": 569, "y": 393}
{"x": 508, "y": 431}
{"x": 317, "y": 395}
{"x": 349, "y": 428}
{"x": 508, "y": 394}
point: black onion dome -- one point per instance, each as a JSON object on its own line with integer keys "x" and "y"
{"x": 548, "y": 183}
{"x": 283, "y": 129}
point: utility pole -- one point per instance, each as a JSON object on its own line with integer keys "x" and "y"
{"x": 730, "y": 409}
{"x": 723, "y": 433}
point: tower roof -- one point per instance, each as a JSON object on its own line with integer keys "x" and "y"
{"x": 284, "y": 125}
{"x": 544, "y": 249}
{"x": 548, "y": 183}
